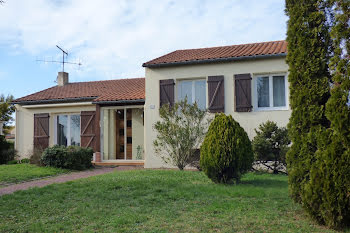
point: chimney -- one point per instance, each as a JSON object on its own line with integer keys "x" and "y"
{"x": 62, "y": 78}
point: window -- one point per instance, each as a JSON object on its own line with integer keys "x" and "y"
{"x": 194, "y": 90}
{"x": 271, "y": 92}
{"x": 68, "y": 130}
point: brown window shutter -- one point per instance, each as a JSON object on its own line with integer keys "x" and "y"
{"x": 243, "y": 96}
{"x": 216, "y": 93}
{"x": 88, "y": 128}
{"x": 166, "y": 92}
{"x": 41, "y": 131}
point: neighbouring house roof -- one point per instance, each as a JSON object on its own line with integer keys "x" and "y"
{"x": 118, "y": 90}
{"x": 220, "y": 54}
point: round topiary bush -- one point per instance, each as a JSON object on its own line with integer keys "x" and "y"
{"x": 226, "y": 152}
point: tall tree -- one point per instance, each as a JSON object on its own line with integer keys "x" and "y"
{"x": 327, "y": 194}
{"x": 319, "y": 159}
{"x": 6, "y": 109}
{"x": 308, "y": 55}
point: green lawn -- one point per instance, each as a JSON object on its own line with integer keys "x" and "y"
{"x": 156, "y": 201}
{"x": 21, "y": 172}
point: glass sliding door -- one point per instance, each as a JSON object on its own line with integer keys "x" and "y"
{"x": 122, "y": 133}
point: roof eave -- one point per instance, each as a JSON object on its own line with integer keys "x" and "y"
{"x": 53, "y": 101}
{"x": 215, "y": 60}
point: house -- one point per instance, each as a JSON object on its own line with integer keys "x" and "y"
{"x": 103, "y": 115}
{"x": 248, "y": 81}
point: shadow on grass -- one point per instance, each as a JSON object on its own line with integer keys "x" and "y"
{"x": 265, "y": 181}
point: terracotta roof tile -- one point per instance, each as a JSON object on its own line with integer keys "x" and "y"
{"x": 109, "y": 90}
{"x": 233, "y": 51}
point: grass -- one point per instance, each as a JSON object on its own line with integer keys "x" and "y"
{"x": 15, "y": 173}
{"x": 156, "y": 201}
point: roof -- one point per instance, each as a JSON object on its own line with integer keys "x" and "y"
{"x": 222, "y": 53}
{"x": 126, "y": 90}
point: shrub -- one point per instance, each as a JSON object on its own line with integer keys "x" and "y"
{"x": 12, "y": 162}
{"x": 180, "y": 132}
{"x": 26, "y": 160}
{"x": 270, "y": 146}
{"x": 226, "y": 152}
{"x": 195, "y": 159}
{"x": 73, "y": 157}
{"x": 7, "y": 151}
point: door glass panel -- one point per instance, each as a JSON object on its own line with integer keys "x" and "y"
{"x": 279, "y": 91}
{"x": 263, "y": 92}
{"x": 121, "y": 135}
{"x": 62, "y": 130}
{"x": 75, "y": 130}
{"x": 129, "y": 134}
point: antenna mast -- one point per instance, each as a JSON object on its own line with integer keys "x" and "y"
{"x": 64, "y": 53}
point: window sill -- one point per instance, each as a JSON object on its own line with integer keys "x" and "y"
{"x": 270, "y": 109}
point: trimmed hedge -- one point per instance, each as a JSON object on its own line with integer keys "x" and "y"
{"x": 226, "y": 152}
{"x": 72, "y": 157}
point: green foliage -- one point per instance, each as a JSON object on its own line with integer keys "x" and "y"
{"x": 326, "y": 196}
{"x": 7, "y": 151}
{"x": 25, "y": 160}
{"x": 271, "y": 144}
{"x": 6, "y": 109}
{"x": 319, "y": 170}
{"x": 72, "y": 157}
{"x": 12, "y": 162}
{"x": 180, "y": 132}
{"x": 226, "y": 152}
{"x": 308, "y": 54}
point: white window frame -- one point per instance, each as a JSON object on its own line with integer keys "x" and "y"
{"x": 255, "y": 91}
{"x": 68, "y": 129}
{"x": 193, "y": 80}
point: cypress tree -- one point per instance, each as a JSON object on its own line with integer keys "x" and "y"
{"x": 308, "y": 55}
{"x": 327, "y": 194}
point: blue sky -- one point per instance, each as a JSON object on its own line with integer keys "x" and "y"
{"x": 112, "y": 38}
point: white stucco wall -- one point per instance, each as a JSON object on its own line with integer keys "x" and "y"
{"x": 25, "y": 123}
{"x": 248, "y": 120}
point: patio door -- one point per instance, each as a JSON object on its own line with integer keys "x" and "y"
{"x": 122, "y": 133}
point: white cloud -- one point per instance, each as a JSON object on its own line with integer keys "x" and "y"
{"x": 114, "y": 37}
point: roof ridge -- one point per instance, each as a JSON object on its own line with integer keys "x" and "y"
{"x": 212, "y": 54}
{"x": 222, "y": 46}
{"x": 107, "y": 80}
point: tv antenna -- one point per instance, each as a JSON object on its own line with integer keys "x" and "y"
{"x": 64, "y": 53}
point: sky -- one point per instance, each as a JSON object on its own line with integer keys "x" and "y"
{"x": 112, "y": 38}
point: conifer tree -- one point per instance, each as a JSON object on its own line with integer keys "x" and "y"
{"x": 308, "y": 55}
{"x": 327, "y": 194}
